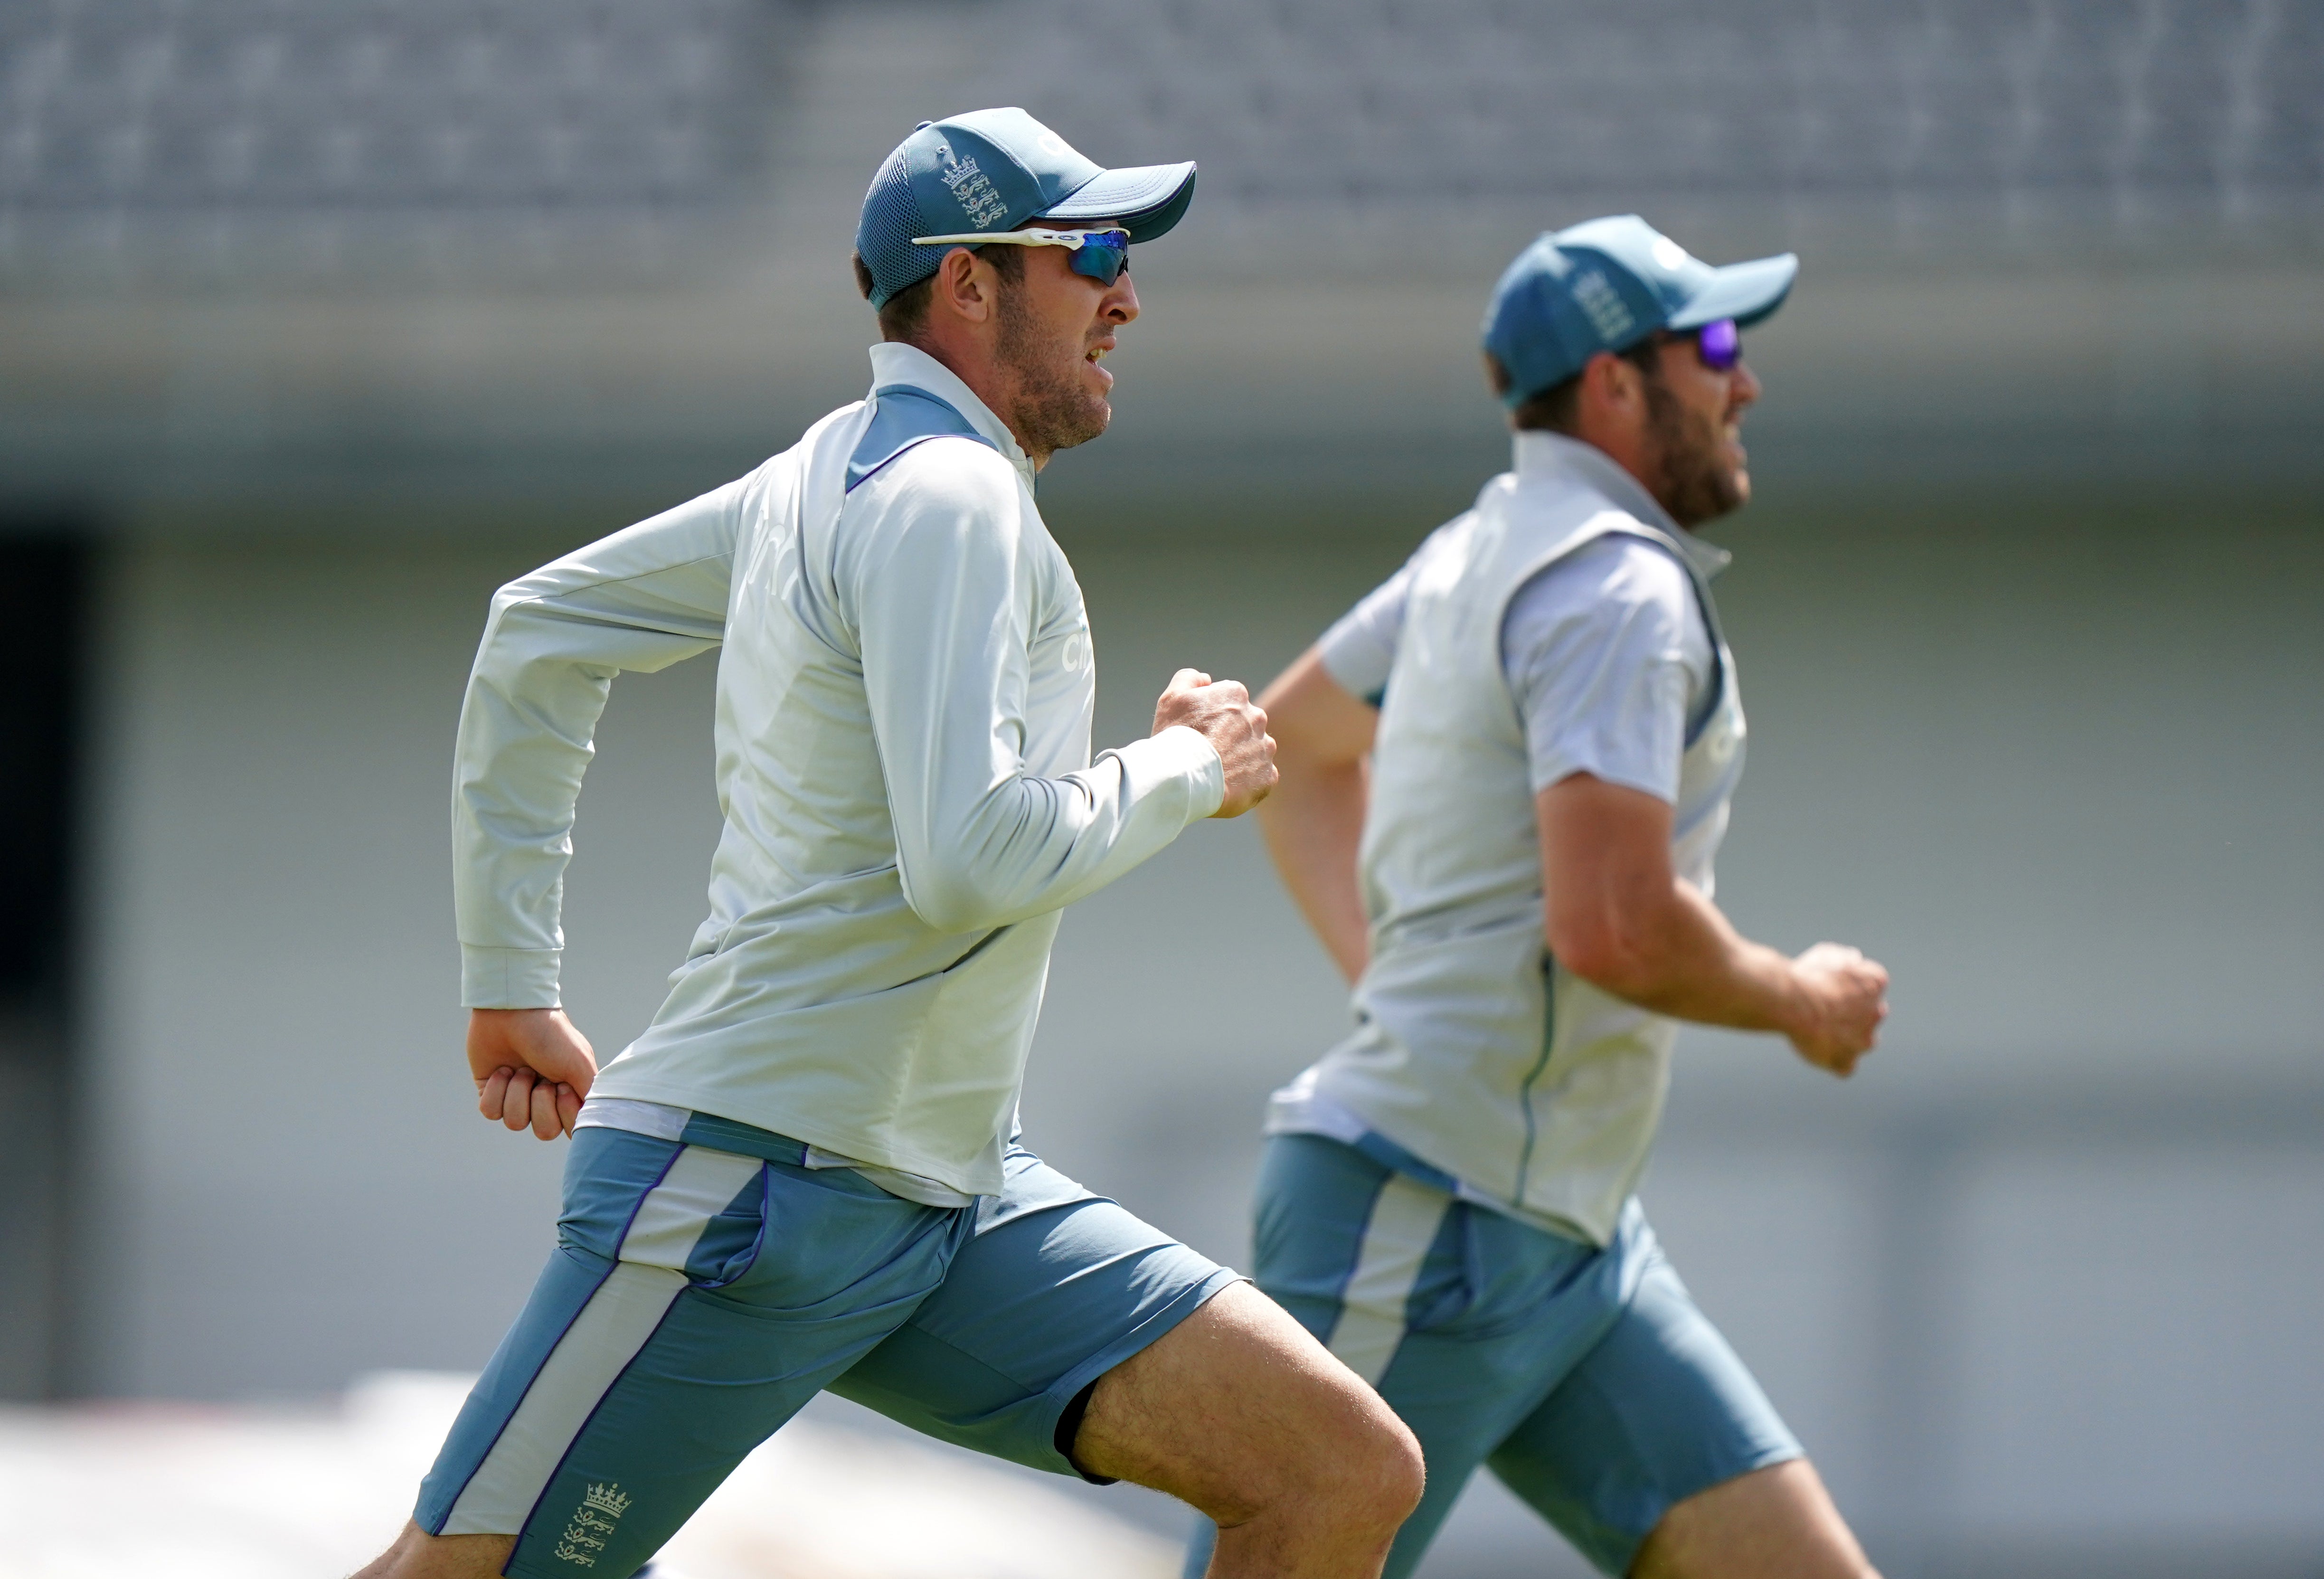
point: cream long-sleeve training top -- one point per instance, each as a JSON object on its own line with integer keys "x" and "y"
{"x": 903, "y": 762}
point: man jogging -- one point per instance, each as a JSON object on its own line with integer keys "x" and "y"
{"x": 1518, "y": 883}
{"x": 804, "y": 1174}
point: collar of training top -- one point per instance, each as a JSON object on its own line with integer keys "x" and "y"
{"x": 894, "y": 362}
{"x": 1541, "y": 453}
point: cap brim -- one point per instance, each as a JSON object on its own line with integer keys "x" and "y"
{"x": 1148, "y": 200}
{"x": 1746, "y": 292}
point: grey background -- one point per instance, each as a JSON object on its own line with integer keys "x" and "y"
{"x": 2025, "y": 618}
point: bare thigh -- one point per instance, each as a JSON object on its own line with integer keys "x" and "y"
{"x": 1773, "y": 1523}
{"x": 1238, "y": 1411}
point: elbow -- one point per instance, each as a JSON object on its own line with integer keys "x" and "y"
{"x": 1312, "y": 752}
{"x": 1305, "y": 781}
{"x": 954, "y": 900}
{"x": 1607, "y": 953}
{"x": 1004, "y": 859}
{"x": 505, "y": 603}
{"x": 945, "y": 908}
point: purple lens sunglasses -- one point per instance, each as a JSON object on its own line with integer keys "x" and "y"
{"x": 1720, "y": 344}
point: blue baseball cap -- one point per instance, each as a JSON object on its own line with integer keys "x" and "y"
{"x": 1605, "y": 285}
{"x": 996, "y": 170}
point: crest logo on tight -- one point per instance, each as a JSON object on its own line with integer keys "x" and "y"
{"x": 584, "y": 1540}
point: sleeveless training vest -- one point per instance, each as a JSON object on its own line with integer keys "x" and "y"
{"x": 1474, "y": 1050}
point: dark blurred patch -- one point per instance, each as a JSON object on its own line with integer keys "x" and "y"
{"x": 44, "y": 584}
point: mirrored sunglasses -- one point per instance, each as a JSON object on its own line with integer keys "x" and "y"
{"x": 1102, "y": 254}
{"x": 1720, "y": 344}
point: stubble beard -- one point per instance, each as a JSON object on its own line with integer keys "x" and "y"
{"x": 1698, "y": 482}
{"x": 1055, "y": 411}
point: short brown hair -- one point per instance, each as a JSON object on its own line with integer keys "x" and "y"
{"x": 906, "y": 313}
{"x": 1558, "y": 408}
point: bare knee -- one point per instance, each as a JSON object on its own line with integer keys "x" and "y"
{"x": 1240, "y": 1413}
{"x": 1369, "y": 1468}
{"x": 1363, "y": 1455}
{"x": 1340, "y": 1457}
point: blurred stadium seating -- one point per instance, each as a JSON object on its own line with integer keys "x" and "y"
{"x": 253, "y": 141}
{"x": 2020, "y": 112}
{"x": 248, "y": 142}
{"x": 260, "y": 247}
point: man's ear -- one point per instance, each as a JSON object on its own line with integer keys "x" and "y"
{"x": 965, "y": 286}
{"x": 1608, "y": 381}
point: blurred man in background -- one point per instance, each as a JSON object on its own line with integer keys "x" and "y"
{"x": 1505, "y": 774}
{"x": 804, "y": 1174}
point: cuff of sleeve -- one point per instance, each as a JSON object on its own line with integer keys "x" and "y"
{"x": 509, "y": 978}
{"x": 1352, "y": 668}
{"x": 1178, "y": 752}
{"x": 1558, "y": 770}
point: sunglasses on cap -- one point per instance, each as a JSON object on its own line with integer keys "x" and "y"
{"x": 1102, "y": 254}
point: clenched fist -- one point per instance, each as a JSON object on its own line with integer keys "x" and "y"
{"x": 1842, "y": 998}
{"x": 1224, "y": 714}
{"x": 532, "y": 1067}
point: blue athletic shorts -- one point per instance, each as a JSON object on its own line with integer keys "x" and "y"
{"x": 1585, "y": 1378}
{"x": 704, "y": 1289}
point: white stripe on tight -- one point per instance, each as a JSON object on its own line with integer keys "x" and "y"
{"x": 673, "y": 1216}
{"x": 606, "y": 1335}
{"x": 1397, "y": 1237}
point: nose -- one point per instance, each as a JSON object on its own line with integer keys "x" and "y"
{"x": 1120, "y": 303}
{"x": 1743, "y": 386}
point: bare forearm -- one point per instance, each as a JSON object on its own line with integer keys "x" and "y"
{"x": 1313, "y": 824}
{"x": 1614, "y": 914}
{"x": 1683, "y": 958}
{"x": 1316, "y": 818}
